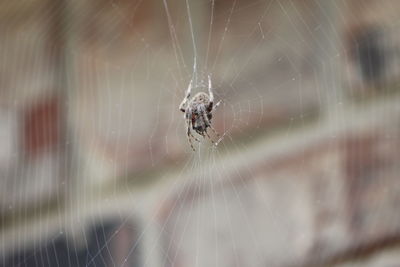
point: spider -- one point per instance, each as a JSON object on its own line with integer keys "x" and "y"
{"x": 198, "y": 112}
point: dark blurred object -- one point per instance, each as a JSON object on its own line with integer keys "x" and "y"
{"x": 370, "y": 54}
{"x": 108, "y": 244}
{"x": 373, "y": 58}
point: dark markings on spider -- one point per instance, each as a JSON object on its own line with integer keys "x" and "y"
{"x": 198, "y": 113}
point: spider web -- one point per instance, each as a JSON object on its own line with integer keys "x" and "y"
{"x": 131, "y": 192}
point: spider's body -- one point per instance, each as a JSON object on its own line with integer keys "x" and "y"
{"x": 198, "y": 112}
{"x": 197, "y": 108}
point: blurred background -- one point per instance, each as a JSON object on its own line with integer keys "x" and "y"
{"x": 96, "y": 169}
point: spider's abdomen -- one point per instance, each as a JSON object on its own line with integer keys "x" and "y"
{"x": 198, "y": 122}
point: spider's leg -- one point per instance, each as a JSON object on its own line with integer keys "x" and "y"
{"x": 208, "y": 124}
{"x": 216, "y": 105}
{"x": 214, "y": 131}
{"x": 209, "y": 137}
{"x": 204, "y": 117}
{"x": 189, "y": 89}
{"x": 210, "y": 92}
{"x": 187, "y": 95}
{"x": 189, "y": 135}
{"x": 194, "y": 137}
{"x": 191, "y": 143}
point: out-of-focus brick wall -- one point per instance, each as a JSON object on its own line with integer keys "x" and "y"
{"x": 315, "y": 205}
{"x": 30, "y": 106}
{"x": 292, "y": 186}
